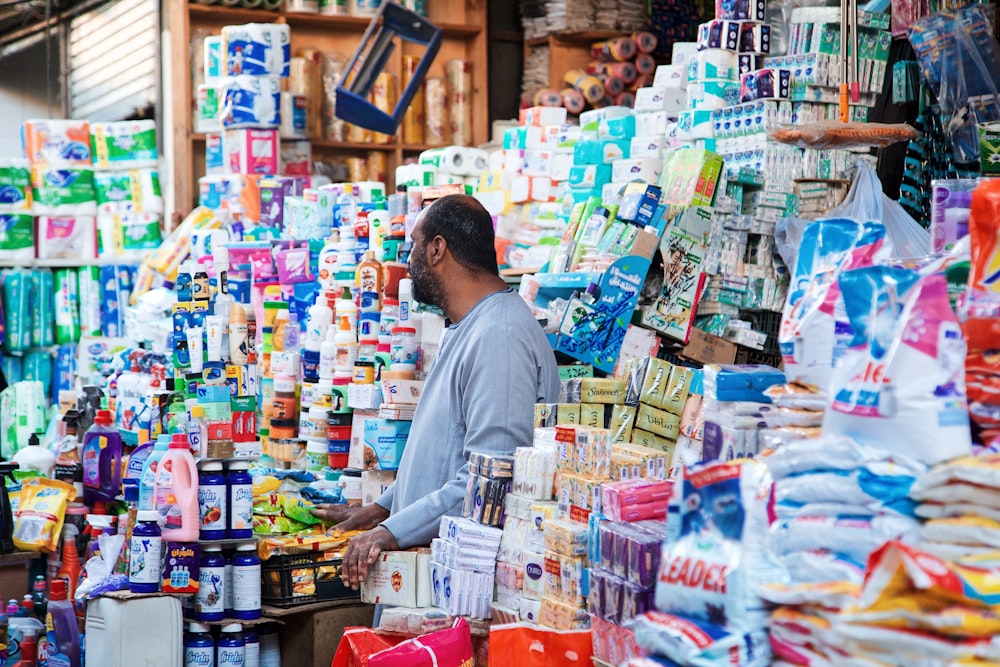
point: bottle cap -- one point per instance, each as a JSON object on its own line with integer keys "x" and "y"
{"x": 232, "y": 627}
{"x": 151, "y": 516}
{"x": 103, "y": 417}
{"x": 403, "y": 330}
{"x": 179, "y": 441}
{"x": 213, "y": 549}
{"x": 239, "y": 465}
{"x": 198, "y": 627}
{"x": 212, "y": 466}
{"x": 57, "y": 590}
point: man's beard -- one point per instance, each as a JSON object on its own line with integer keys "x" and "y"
{"x": 426, "y": 288}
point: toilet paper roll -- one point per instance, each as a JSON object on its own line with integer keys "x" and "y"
{"x": 294, "y": 111}
{"x": 57, "y": 142}
{"x": 132, "y": 191}
{"x": 15, "y": 186}
{"x": 67, "y": 191}
{"x": 413, "y": 121}
{"x": 67, "y": 237}
{"x": 251, "y": 102}
{"x": 258, "y": 49}
{"x": 17, "y": 236}
{"x": 714, "y": 64}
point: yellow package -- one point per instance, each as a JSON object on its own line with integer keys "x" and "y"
{"x": 971, "y": 530}
{"x": 41, "y": 514}
{"x": 263, "y": 486}
{"x": 622, "y": 419}
{"x": 676, "y": 393}
{"x": 828, "y": 595}
{"x": 925, "y": 612}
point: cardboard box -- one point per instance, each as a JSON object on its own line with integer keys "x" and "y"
{"x": 386, "y": 438}
{"x": 708, "y": 349}
{"x": 364, "y": 396}
{"x": 406, "y": 392}
{"x": 399, "y": 578}
{"x": 374, "y": 483}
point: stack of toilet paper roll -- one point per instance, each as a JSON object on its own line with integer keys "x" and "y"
{"x": 443, "y": 166}
{"x": 17, "y": 236}
{"x": 62, "y": 180}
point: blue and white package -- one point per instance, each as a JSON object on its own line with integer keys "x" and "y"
{"x": 719, "y": 34}
{"x": 877, "y": 486}
{"x": 214, "y": 155}
{"x": 765, "y": 84}
{"x": 251, "y": 102}
{"x": 259, "y": 49}
{"x": 755, "y": 37}
{"x": 15, "y": 186}
{"x": 731, "y": 382}
{"x": 685, "y": 641}
{"x": 741, "y": 10}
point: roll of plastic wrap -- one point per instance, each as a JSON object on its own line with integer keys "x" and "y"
{"x": 624, "y": 71}
{"x": 378, "y": 166}
{"x": 413, "y": 121}
{"x": 645, "y": 42}
{"x": 589, "y": 85}
{"x": 383, "y": 96}
{"x": 437, "y": 130}
{"x": 547, "y": 97}
{"x": 626, "y": 99}
{"x": 573, "y": 100}
{"x": 620, "y": 49}
{"x": 459, "y": 75}
{"x": 67, "y": 307}
{"x": 89, "y": 295}
{"x": 613, "y": 86}
{"x": 645, "y": 64}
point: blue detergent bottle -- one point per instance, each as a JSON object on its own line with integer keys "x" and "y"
{"x": 148, "y": 478}
{"x": 199, "y": 647}
{"x": 230, "y": 650}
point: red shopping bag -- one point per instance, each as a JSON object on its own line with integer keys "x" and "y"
{"x": 530, "y": 646}
{"x": 444, "y": 648}
{"x": 358, "y": 645}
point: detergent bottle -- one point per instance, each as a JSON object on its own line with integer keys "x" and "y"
{"x": 102, "y": 460}
{"x": 175, "y": 493}
{"x": 60, "y": 646}
{"x": 148, "y": 477}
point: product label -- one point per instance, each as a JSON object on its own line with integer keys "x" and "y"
{"x": 246, "y": 587}
{"x": 91, "y": 460}
{"x": 251, "y": 655}
{"x": 164, "y": 500}
{"x": 211, "y": 590}
{"x": 199, "y": 656}
{"x": 241, "y": 496}
{"x": 228, "y": 589}
{"x": 231, "y": 656}
{"x": 212, "y": 506}
{"x": 144, "y": 559}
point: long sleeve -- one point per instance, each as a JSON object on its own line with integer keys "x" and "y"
{"x": 385, "y": 500}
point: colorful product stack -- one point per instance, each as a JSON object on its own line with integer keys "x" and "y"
{"x": 463, "y": 563}
{"x": 17, "y": 233}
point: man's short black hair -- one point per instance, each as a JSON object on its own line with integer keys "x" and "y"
{"x": 467, "y": 228}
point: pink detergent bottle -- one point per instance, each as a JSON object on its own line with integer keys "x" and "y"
{"x": 175, "y": 492}
{"x": 102, "y": 460}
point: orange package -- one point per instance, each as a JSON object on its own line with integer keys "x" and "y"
{"x": 982, "y": 329}
{"x": 57, "y": 142}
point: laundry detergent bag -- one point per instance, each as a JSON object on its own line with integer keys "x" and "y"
{"x": 901, "y": 384}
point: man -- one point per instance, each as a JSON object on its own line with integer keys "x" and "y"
{"x": 494, "y": 363}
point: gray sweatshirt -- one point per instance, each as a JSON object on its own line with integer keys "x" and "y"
{"x": 490, "y": 370}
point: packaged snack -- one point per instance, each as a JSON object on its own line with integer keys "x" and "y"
{"x": 41, "y": 513}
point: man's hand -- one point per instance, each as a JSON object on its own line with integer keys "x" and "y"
{"x": 362, "y": 553}
{"x": 348, "y": 518}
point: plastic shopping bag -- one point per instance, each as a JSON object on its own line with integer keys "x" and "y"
{"x": 358, "y": 645}
{"x": 531, "y": 646}
{"x": 444, "y": 648}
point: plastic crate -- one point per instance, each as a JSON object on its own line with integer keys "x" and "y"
{"x": 768, "y": 322}
{"x": 291, "y": 580}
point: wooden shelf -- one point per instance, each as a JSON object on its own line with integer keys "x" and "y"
{"x": 350, "y": 146}
{"x": 19, "y": 557}
{"x": 230, "y": 15}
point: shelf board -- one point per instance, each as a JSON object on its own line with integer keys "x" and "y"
{"x": 574, "y": 37}
{"x": 418, "y": 148}
{"x": 308, "y": 21}
{"x": 228, "y": 15}
{"x": 19, "y": 557}
{"x": 351, "y": 146}
{"x": 280, "y": 612}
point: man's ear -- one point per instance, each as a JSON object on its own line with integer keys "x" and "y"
{"x": 436, "y": 249}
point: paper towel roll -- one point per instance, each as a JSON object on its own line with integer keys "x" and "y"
{"x": 251, "y": 102}
{"x": 459, "y": 76}
{"x": 57, "y": 142}
{"x": 258, "y": 49}
{"x": 413, "y": 121}
{"x": 438, "y": 127}
{"x": 383, "y": 96}
{"x": 133, "y": 191}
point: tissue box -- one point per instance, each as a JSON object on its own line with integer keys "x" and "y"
{"x": 755, "y": 38}
{"x": 765, "y": 84}
{"x": 399, "y": 578}
{"x": 644, "y": 169}
{"x": 590, "y": 175}
{"x": 659, "y": 99}
{"x": 741, "y": 10}
{"x": 542, "y": 116}
{"x": 713, "y": 64}
{"x": 250, "y": 151}
{"x": 670, "y": 76}
{"x": 651, "y": 123}
{"x": 712, "y": 94}
{"x": 719, "y": 34}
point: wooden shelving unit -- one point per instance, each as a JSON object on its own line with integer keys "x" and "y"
{"x": 568, "y": 50}
{"x": 464, "y": 36}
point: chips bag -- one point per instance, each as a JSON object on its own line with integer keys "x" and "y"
{"x": 710, "y": 571}
{"x": 41, "y": 513}
{"x": 901, "y": 384}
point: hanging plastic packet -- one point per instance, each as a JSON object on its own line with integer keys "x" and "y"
{"x": 814, "y": 328}
{"x": 711, "y": 570}
{"x": 41, "y": 513}
{"x": 901, "y": 385}
{"x": 699, "y": 644}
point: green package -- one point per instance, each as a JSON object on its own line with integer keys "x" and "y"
{"x": 43, "y": 310}
{"x": 17, "y": 233}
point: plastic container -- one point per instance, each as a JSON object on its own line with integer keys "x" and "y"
{"x": 351, "y": 480}
{"x": 199, "y": 647}
{"x": 388, "y": 320}
{"x": 404, "y": 349}
{"x": 346, "y": 341}
{"x": 210, "y": 602}
{"x": 285, "y": 403}
{"x": 364, "y": 372}
{"x": 316, "y": 455}
{"x": 120, "y": 630}
{"x": 35, "y": 457}
{"x": 137, "y": 460}
{"x": 240, "y": 500}
{"x": 145, "y": 554}
{"x": 61, "y": 644}
{"x": 198, "y": 431}
{"x": 147, "y": 481}
{"x": 251, "y": 648}
{"x": 102, "y": 460}
{"x": 230, "y": 649}
{"x": 175, "y": 494}
{"x": 19, "y": 631}
{"x": 212, "y": 502}
{"x": 246, "y": 583}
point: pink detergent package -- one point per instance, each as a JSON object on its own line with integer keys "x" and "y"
{"x": 711, "y": 570}
{"x": 814, "y": 311}
{"x": 900, "y": 386}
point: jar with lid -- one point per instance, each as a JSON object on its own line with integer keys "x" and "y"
{"x": 404, "y": 349}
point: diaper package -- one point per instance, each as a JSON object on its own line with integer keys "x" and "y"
{"x": 251, "y": 101}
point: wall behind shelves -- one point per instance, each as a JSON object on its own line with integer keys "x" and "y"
{"x": 23, "y": 81}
